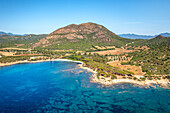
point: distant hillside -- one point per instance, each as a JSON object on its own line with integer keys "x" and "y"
{"x": 11, "y": 34}
{"x": 81, "y": 37}
{"x": 135, "y": 36}
{"x": 165, "y": 34}
{"x": 26, "y": 41}
{"x": 153, "y": 42}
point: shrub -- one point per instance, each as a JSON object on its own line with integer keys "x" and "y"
{"x": 113, "y": 77}
{"x": 134, "y": 78}
{"x": 143, "y": 79}
{"x": 150, "y": 78}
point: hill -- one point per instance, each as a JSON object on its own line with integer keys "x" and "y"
{"x": 19, "y": 41}
{"x": 153, "y": 42}
{"x": 156, "y": 60}
{"x": 81, "y": 37}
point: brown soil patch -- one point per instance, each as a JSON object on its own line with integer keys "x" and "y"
{"x": 135, "y": 69}
{"x": 110, "y": 47}
{"x": 18, "y": 45}
{"x": 7, "y": 53}
{"x": 117, "y": 51}
{"x": 104, "y": 47}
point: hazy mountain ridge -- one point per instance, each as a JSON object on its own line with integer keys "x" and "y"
{"x": 136, "y": 36}
{"x": 128, "y": 35}
{"x": 11, "y": 34}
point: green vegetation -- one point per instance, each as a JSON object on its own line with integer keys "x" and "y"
{"x": 84, "y": 44}
{"x": 125, "y": 63}
{"x": 51, "y": 52}
{"x": 8, "y": 59}
{"x": 134, "y": 78}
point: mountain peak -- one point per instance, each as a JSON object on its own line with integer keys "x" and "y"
{"x": 89, "y": 23}
{"x": 75, "y": 33}
{"x": 84, "y": 28}
{"x": 160, "y": 36}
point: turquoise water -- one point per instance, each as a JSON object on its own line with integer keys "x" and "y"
{"x": 64, "y": 87}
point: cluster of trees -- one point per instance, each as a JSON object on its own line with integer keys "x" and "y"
{"x": 97, "y": 49}
{"x": 8, "y": 59}
{"x": 119, "y": 58}
{"x": 52, "y": 53}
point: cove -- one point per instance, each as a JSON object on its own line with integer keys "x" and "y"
{"x": 59, "y": 86}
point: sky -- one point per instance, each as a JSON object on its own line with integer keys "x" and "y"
{"x": 147, "y": 17}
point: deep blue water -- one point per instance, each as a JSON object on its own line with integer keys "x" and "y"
{"x": 64, "y": 87}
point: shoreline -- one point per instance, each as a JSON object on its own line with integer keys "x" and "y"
{"x": 106, "y": 81}
{"x": 147, "y": 83}
{"x": 24, "y": 61}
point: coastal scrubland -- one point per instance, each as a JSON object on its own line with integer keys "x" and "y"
{"x": 100, "y": 49}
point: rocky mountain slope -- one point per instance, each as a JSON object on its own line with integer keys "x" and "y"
{"x": 81, "y": 36}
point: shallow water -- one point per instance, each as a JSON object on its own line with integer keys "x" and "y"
{"x": 64, "y": 87}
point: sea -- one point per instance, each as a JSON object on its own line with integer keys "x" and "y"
{"x": 64, "y": 87}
